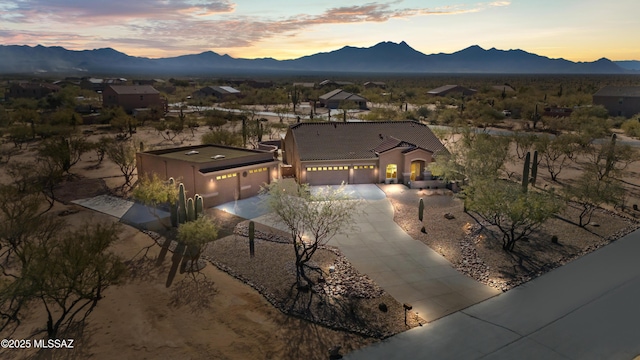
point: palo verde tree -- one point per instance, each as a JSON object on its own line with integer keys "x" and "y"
{"x": 474, "y": 156}
{"x": 69, "y": 273}
{"x": 610, "y": 159}
{"x": 63, "y": 151}
{"x": 516, "y": 214}
{"x": 311, "y": 217}
{"x": 123, "y": 154}
{"x": 590, "y": 192}
{"x": 556, "y": 153}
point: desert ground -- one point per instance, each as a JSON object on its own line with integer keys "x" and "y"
{"x": 214, "y": 315}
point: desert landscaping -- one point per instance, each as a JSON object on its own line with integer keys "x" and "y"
{"x": 236, "y": 306}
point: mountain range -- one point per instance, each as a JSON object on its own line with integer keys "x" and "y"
{"x": 384, "y": 57}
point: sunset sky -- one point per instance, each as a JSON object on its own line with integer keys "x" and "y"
{"x": 578, "y": 30}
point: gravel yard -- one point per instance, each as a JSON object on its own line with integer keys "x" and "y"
{"x": 475, "y": 250}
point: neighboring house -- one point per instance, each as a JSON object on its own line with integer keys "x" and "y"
{"x": 308, "y": 85}
{"x": 132, "y": 97}
{"x": 334, "y": 83}
{"x": 361, "y": 152}
{"x": 222, "y": 93}
{"x": 219, "y": 174}
{"x": 375, "y": 84}
{"x": 31, "y": 90}
{"x": 451, "y": 89}
{"x": 505, "y": 88}
{"x": 99, "y": 85}
{"x": 619, "y": 101}
{"x": 333, "y": 99}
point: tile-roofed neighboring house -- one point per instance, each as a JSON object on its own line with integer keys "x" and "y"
{"x": 220, "y": 92}
{"x": 332, "y": 99}
{"x": 374, "y": 84}
{"x": 360, "y": 152}
{"x": 132, "y": 97}
{"x": 448, "y": 89}
{"x": 619, "y": 100}
{"x": 304, "y": 84}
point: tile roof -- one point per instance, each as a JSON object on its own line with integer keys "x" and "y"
{"x": 339, "y": 94}
{"x": 446, "y": 88}
{"x": 134, "y": 90}
{"x": 360, "y": 140}
{"x": 628, "y": 91}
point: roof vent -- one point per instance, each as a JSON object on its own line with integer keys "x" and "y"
{"x": 192, "y": 152}
{"x": 381, "y": 137}
{"x": 216, "y": 157}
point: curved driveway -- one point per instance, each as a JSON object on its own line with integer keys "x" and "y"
{"x": 405, "y": 268}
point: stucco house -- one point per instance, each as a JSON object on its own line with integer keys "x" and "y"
{"x": 619, "y": 100}
{"x": 333, "y": 99}
{"x": 132, "y": 97}
{"x": 218, "y": 173}
{"x": 451, "y": 89}
{"x": 361, "y": 152}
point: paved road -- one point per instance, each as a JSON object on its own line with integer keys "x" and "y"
{"x": 405, "y": 268}
{"x": 587, "y": 309}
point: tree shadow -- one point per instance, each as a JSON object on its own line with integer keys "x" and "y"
{"x": 82, "y": 344}
{"x": 176, "y": 260}
{"x": 195, "y": 291}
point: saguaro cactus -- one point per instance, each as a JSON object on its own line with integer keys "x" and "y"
{"x": 421, "y": 210}
{"x": 199, "y": 206}
{"x": 252, "y": 234}
{"x": 182, "y": 204}
{"x": 191, "y": 210}
{"x": 534, "y": 168}
{"x": 173, "y": 207}
{"x": 525, "y": 172}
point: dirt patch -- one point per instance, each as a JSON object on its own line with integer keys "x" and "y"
{"x": 208, "y": 316}
{"x": 80, "y": 188}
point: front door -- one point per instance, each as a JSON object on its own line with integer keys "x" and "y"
{"x": 416, "y": 170}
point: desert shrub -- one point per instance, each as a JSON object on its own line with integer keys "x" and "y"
{"x": 631, "y": 127}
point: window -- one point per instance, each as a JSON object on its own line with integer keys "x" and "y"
{"x": 226, "y": 176}
{"x": 392, "y": 171}
{"x": 259, "y": 170}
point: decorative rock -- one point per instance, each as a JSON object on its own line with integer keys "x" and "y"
{"x": 332, "y": 269}
{"x": 449, "y": 216}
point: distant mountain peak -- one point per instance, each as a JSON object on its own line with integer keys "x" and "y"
{"x": 386, "y": 56}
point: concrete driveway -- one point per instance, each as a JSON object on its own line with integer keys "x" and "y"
{"x": 405, "y": 268}
{"x": 587, "y": 309}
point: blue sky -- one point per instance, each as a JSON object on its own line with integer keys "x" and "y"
{"x": 579, "y": 30}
